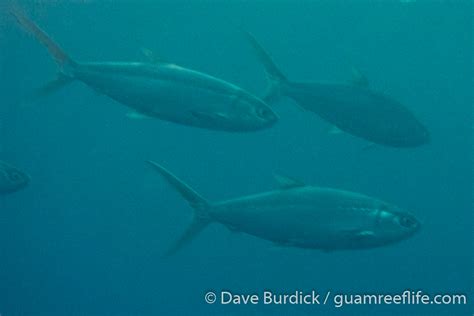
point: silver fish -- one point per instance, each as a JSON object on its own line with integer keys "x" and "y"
{"x": 298, "y": 215}
{"x": 164, "y": 91}
{"x": 351, "y": 107}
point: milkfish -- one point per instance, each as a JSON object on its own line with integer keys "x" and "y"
{"x": 164, "y": 91}
{"x": 299, "y": 215}
{"x": 353, "y": 107}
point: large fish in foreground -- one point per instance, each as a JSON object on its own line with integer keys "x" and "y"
{"x": 11, "y": 178}
{"x": 351, "y": 107}
{"x": 298, "y": 215}
{"x": 164, "y": 91}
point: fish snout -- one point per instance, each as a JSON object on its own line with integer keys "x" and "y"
{"x": 267, "y": 115}
{"x": 418, "y": 136}
{"x": 426, "y": 136}
{"x": 423, "y": 136}
{"x": 410, "y": 223}
{"x": 12, "y": 179}
{"x": 18, "y": 178}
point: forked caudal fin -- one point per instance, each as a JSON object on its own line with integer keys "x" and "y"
{"x": 61, "y": 58}
{"x": 200, "y": 205}
{"x": 275, "y": 77}
{"x": 65, "y": 63}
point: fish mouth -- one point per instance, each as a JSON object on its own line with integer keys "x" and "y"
{"x": 20, "y": 186}
{"x": 19, "y": 178}
{"x": 15, "y": 177}
{"x": 273, "y": 120}
{"x": 423, "y": 139}
{"x": 424, "y": 135}
{"x": 14, "y": 188}
{"x": 413, "y": 225}
{"x": 265, "y": 114}
{"x": 416, "y": 229}
{"x": 263, "y": 123}
{"x": 270, "y": 118}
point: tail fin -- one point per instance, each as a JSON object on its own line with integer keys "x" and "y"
{"x": 275, "y": 77}
{"x": 65, "y": 63}
{"x": 59, "y": 56}
{"x": 200, "y": 205}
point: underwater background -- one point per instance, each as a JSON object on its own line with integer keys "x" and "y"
{"x": 87, "y": 236}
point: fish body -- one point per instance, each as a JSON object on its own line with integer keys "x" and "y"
{"x": 173, "y": 93}
{"x": 302, "y": 216}
{"x": 353, "y": 108}
{"x": 360, "y": 111}
{"x": 160, "y": 90}
{"x": 316, "y": 218}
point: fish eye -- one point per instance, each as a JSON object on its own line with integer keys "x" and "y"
{"x": 15, "y": 176}
{"x": 264, "y": 113}
{"x": 407, "y": 222}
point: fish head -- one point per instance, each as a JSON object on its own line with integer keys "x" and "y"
{"x": 424, "y": 136}
{"x": 415, "y": 136}
{"x": 419, "y": 135}
{"x": 250, "y": 113}
{"x": 405, "y": 130}
{"x": 393, "y": 224}
{"x": 12, "y": 179}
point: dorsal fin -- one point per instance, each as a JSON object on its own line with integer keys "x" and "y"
{"x": 334, "y": 130}
{"x": 152, "y": 58}
{"x": 359, "y": 79}
{"x": 285, "y": 182}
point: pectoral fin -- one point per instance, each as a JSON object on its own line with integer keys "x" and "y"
{"x": 136, "y": 116}
{"x": 333, "y": 130}
{"x": 365, "y": 233}
{"x": 209, "y": 116}
{"x": 359, "y": 79}
{"x": 360, "y": 234}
